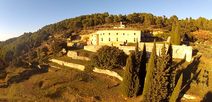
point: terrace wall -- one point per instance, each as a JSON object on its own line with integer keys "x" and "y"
{"x": 74, "y": 55}
{"x": 82, "y": 68}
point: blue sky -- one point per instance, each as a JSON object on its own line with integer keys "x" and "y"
{"x": 19, "y": 16}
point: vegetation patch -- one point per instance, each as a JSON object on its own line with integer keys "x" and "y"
{"x": 109, "y": 58}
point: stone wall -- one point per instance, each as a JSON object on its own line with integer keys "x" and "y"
{"x": 74, "y": 55}
{"x": 67, "y": 64}
{"x": 179, "y": 51}
{"x": 82, "y": 68}
{"x": 92, "y": 48}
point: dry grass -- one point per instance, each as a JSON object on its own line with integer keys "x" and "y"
{"x": 65, "y": 85}
{"x": 200, "y": 88}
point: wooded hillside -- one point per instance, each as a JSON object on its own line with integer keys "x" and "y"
{"x": 51, "y": 38}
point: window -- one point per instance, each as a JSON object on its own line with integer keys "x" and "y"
{"x": 134, "y": 33}
{"x": 101, "y": 39}
{"x": 123, "y": 34}
{"x": 109, "y": 33}
{"x": 109, "y": 39}
{"x": 134, "y": 39}
{"x": 117, "y": 39}
{"x": 103, "y": 33}
{"x": 117, "y": 33}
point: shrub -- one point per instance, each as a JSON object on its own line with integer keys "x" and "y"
{"x": 89, "y": 67}
{"x": 83, "y": 76}
{"x": 109, "y": 57}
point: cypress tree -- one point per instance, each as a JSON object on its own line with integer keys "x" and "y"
{"x": 156, "y": 88}
{"x": 142, "y": 70}
{"x": 147, "y": 91}
{"x": 130, "y": 80}
{"x": 169, "y": 52}
{"x": 172, "y": 72}
{"x": 134, "y": 73}
{"x": 161, "y": 77}
{"x": 175, "y": 36}
{"x": 136, "y": 47}
{"x": 137, "y": 57}
{"x": 137, "y": 68}
{"x": 177, "y": 89}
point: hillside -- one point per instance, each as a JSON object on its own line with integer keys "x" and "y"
{"x": 26, "y": 71}
{"x": 29, "y": 46}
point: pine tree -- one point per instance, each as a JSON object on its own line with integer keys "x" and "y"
{"x": 147, "y": 91}
{"x": 175, "y": 36}
{"x": 130, "y": 80}
{"x": 177, "y": 89}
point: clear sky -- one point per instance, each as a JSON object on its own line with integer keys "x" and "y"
{"x": 19, "y": 16}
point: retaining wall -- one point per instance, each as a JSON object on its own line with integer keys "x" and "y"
{"x": 74, "y": 55}
{"x": 82, "y": 68}
{"x": 108, "y": 72}
{"x": 67, "y": 64}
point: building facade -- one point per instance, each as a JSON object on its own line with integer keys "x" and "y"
{"x": 116, "y": 36}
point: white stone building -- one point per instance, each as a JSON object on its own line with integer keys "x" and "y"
{"x": 115, "y": 36}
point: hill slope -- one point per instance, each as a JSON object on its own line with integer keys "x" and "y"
{"x": 37, "y": 46}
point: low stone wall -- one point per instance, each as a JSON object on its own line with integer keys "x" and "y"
{"x": 92, "y": 48}
{"x": 108, "y": 72}
{"x": 67, "y": 64}
{"x": 74, "y": 55}
{"x": 179, "y": 51}
{"x": 82, "y": 68}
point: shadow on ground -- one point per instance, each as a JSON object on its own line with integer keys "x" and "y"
{"x": 190, "y": 73}
{"x": 207, "y": 97}
{"x": 24, "y": 75}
